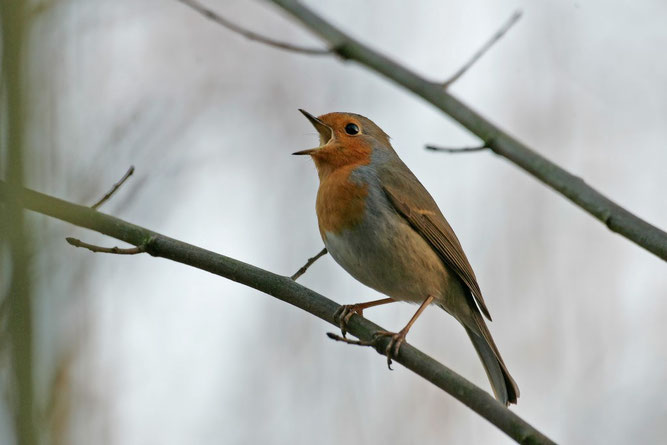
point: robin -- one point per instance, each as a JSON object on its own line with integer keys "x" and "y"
{"x": 381, "y": 225}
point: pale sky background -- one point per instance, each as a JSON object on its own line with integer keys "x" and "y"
{"x": 139, "y": 350}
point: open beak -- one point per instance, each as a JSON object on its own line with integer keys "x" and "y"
{"x": 326, "y": 133}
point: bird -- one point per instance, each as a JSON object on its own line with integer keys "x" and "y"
{"x": 382, "y": 226}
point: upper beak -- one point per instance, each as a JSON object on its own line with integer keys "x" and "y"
{"x": 323, "y": 129}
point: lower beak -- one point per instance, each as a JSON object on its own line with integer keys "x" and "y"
{"x": 310, "y": 151}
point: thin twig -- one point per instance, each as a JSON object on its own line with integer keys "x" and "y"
{"x": 457, "y": 149}
{"x": 217, "y": 18}
{"x": 309, "y": 263}
{"x": 98, "y": 249}
{"x": 373, "y": 343}
{"x": 337, "y": 337}
{"x": 115, "y": 187}
{"x": 492, "y": 41}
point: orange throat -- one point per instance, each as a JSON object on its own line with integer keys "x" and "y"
{"x": 340, "y": 202}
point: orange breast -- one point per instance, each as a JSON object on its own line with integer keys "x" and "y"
{"x": 340, "y": 202}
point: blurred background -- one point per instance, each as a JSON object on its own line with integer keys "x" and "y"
{"x": 139, "y": 350}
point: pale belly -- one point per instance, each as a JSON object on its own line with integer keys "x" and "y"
{"x": 386, "y": 254}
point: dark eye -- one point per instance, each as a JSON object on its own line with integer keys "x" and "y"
{"x": 351, "y": 129}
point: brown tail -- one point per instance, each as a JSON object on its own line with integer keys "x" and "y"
{"x": 504, "y": 386}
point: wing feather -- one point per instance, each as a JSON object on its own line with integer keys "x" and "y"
{"x": 435, "y": 229}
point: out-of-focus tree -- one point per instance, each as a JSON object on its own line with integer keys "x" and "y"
{"x": 16, "y": 313}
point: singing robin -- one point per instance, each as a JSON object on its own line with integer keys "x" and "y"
{"x": 381, "y": 225}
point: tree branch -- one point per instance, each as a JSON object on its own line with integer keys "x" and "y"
{"x": 285, "y": 289}
{"x": 615, "y": 217}
{"x": 480, "y": 52}
{"x": 114, "y": 188}
{"x": 217, "y": 18}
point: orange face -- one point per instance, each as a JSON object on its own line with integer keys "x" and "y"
{"x": 346, "y": 140}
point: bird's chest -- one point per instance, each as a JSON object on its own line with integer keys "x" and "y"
{"x": 366, "y": 236}
{"x": 341, "y": 203}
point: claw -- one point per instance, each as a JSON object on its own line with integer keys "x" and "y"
{"x": 344, "y": 313}
{"x": 391, "y": 351}
{"x": 394, "y": 345}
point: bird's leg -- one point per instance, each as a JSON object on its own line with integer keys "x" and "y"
{"x": 343, "y": 314}
{"x": 397, "y": 338}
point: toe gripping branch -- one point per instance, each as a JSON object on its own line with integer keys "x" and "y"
{"x": 391, "y": 350}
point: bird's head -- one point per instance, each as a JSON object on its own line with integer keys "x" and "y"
{"x": 346, "y": 139}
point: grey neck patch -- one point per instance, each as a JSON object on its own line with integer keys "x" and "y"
{"x": 368, "y": 173}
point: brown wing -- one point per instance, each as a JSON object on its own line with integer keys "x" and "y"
{"x": 435, "y": 229}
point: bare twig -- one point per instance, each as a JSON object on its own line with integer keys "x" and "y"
{"x": 217, "y": 18}
{"x": 286, "y": 290}
{"x": 492, "y": 41}
{"x": 457, "y": 149}
{"x": 309, "y": 263}
{"x": 98, "y": 249}
{"x": 615, "y": 217}
{"x": 337, "y": 337}
{"x": 115, "y": 187}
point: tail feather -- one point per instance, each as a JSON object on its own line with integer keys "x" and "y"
{"x": 503, "y": 385}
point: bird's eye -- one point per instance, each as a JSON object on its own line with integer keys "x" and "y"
{"x": 351, "y": 129}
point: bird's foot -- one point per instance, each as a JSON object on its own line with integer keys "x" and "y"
{"x": 394, "y": 345}
{"x": 391, "y": 351}
{"x": 344, "y": 313}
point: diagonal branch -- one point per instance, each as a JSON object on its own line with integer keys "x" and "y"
{"x": 615, "y": 217}
{"x": 480, "y": 52}
{"x": 285, "y": 289}
{"x": 220, "y": 20}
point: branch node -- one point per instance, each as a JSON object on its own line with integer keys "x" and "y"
{"x": 340, "y": 49}
{"x": 147, "y": 245}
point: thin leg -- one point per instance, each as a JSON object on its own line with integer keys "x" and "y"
{"x": 414, "y": 318}
{"x": 398, "y": 338}
{"x": 344, "y": 313}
